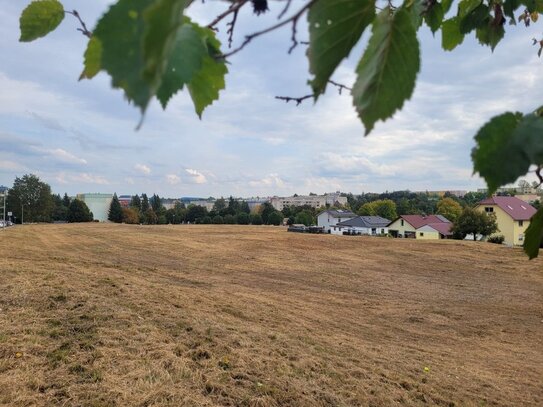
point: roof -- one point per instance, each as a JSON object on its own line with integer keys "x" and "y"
{"x": 514, "y": 207}
{"x": 443, "y": 228}
{"x": 418, "y": 221}
{"x": 366, "y": 222}
{"x": 339, "y": 213}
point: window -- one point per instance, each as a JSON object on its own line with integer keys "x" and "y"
{"x": 402, "y": 222}
{"x": 421, "y": 234}
{"x": 521, "y": 223}
{"x": 489, "y": 209}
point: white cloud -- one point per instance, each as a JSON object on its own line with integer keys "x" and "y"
{"x": 81, "y": 178}
{"x": 271, "y": 181}
{"x": 142, "y": 168}
{"x": 196, "y": 176}
{"x": 173, "y": 179}
{"x": 63, "y": 155}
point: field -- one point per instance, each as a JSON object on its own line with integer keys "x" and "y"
{"x": 118, "y": 315}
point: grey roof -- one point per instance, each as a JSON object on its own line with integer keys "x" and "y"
{"x": 339, "y": 213}
{"x": 443, "y": 218}
{"x": 366, "y": 222}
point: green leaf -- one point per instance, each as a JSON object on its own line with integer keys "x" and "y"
{"x": 120, "y": 30}
{"x": 92, "y": 59}
{"x": 506, "y": 146}
{"x": 534, "y": 235}
{"x": 533, "y": 5}
{"x": 509, "y": 8}
{"x": 388, "y": 69}
{"x": 209, "y": 80}
{"x": 416, "y": 8}
{"x": 434, "y": 17}
{"x": 490, "y": 34}
{"x": 477, "y": 18}
{"x": 467, "y": 6}
{"x": 186, "y": 59}
{"x": 451, "y": 36}
{"x": 334, "y": 29}
{"x": 162, "y": 21}
{"x": 446, "y": 5}
{"x": 39, "y": 18}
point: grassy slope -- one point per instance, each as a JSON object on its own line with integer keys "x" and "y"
{"x": 228, "y": 315}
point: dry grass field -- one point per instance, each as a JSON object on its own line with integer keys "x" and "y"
{"x": 117, "y": 315}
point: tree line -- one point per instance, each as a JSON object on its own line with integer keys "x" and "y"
{"x": 30, "y": 200}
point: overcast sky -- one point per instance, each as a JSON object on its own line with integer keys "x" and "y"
{"x": 80, "y": 137}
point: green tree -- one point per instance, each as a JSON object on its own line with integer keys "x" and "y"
{"x": 206, "y": 220}
{"x": 256, "y": 219}
{"x": 163, "y": 52}
{"x": 79, "y": 212}
{"x": 275, "y": 218}
{"x": 60, "y": 212}
{"x": 66, "y": 200}
{"x": 30, "y": 199}
{"x": 229, "y": 219}
{"x": 219, "y": 205}
{"x": 218, "y": 220}
{"x": 195, "y": 212}
{"x": 266, "y": 209}
{"x": 135, "y": 202}
{"x": 386, "y": 208}
{"x": 150, "y": 217}
{"x": 449, "y": 208}
{"x": 115, "y": 213}
{"x": 144, "y": 203}
{"x": 305, "y": 217}
{"x": 244, "y": 207}
{"x": 243, "y": 218}
{"x": 474, "y": 222}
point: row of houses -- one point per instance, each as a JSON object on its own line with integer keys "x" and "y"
{"x": 512, "y": 217}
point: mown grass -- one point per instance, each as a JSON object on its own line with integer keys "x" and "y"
{"x": 106, "y": 315}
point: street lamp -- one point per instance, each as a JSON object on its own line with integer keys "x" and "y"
{"x": 4, "y": 191}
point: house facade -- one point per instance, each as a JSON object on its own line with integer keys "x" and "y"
{"x": 331, "y": 217}
{"x": 512, "y": 216}
{"x": 361, "y": 225}
{"x": 421, "y": 227}
{"x": 315, "y": 201}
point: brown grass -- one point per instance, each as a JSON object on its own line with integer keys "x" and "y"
{"x": 105, "y": 315}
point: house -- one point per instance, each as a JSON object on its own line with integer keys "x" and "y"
{"x": 512, "y": 216}
{"x": 332, "y": 217}
{"x": 421, "y": 227}
{"x": 361, "y": 225}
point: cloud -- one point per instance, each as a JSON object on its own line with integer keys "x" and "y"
{"x": 196, "y": 176}
{"x": 173, "y": 179}
{"x": 271, "y": 181}
{"x": 81, "y": 178}
{"x": 142, "y": 168}
{"x": 64, "y": 156}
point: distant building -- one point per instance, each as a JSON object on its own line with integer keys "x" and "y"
{"x": 169, "y": 203}
{"x": 332, "y": 217}
{"x": 362, "y": 225}
{"x": 125, "y": 200}
{"x": 255, "y": 202}
{"x": 208, "y": 204}
{"x": 421, "y": 227}
{"x": 315, "y": 201}
{"x": 98, "y": 204}
{"x": 512, "y": 216}
{"x": 440, "y": 194}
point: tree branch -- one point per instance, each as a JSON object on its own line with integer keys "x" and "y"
{"x": 83, "y": 28}
{"x": 234, "y": 8}
{"x": 292, "y": 20}
{"x": 299, "y": 100}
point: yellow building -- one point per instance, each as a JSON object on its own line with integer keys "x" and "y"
{"x": 421, "y": 227}
{"x": 512, "y": 216}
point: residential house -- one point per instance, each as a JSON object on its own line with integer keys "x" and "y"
{"x": 421, "y": 227}
{"x": 332, "y": 217}
{"x": 512, "y": 216}
{"x": 315, "y": 201}
{"x": 361, "y": 225}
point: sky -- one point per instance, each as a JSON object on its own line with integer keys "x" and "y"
{"x": 80, "y": 136}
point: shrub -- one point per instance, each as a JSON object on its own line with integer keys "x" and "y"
{"x": 243, "y": 218}
{"x": 229, "y": 219}
{"x": 498, "y": 239}
{"x": 218, "y": 220}
{"x": 256, "y": 219}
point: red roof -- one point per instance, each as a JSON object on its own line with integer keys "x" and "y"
{"x": 418, "y": 220}
{"x": 514, "y": 207}
{"x": 443, "y": 227}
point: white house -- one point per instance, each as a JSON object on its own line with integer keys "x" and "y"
{"x": 361, "y": 225}
{"x": 332, "y": 217}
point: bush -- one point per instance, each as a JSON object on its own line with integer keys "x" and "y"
{"x": 206, "y": 220}
{"x": 256, "y": 219}
{"x": 243, "y": 218}
{"x": 229, "y": 219}
{"x": 131, "y": 216}
{"x": 218, "y": 220}
{"x": 275, "y": 218}
{"x": 498, "y": 239}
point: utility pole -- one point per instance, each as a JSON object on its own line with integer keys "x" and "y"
{"x": 4, "y": 191}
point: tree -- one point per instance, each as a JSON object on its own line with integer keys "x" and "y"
{"x": 79, "y": 212}
{"x": 60, "y": 212}
{"x": 305, "y": 217}
{"x": 195, "y": 212}
{"x": 149, "y": 217}
{"x": 156, "y": 203}
{"x": 244, "y": 207}
{"x": 219, "y": 205}
{"x": 135, "y": 202}
{"x": 256, "y": 219}
{"x": 164, "y": 52}
{"x": 266, "y": 209}
{"x": 474, "y": 222}
{"x": 218, "y": 220}
{"x": 449, "y": 208}
{"x": 275, "y": 218}
{"x": 131, "y": 216}
{"x": 385, "y": 208}
{"x": 144, "y": 203}
{"x": 115, "y": 213}
{"x": 30, "y": 199}
{"x": 243, "y": 218}
{"x": 66, "y": 200}
{"x": 229, "y": 219}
